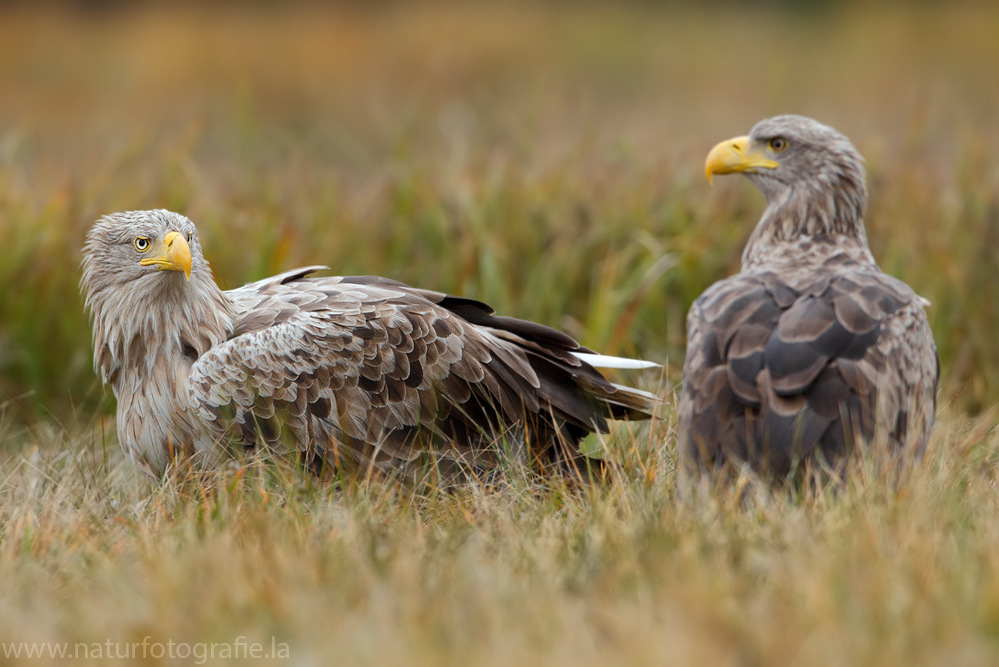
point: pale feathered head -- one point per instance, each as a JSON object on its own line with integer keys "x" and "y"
{"x": 813, "y": 181}
{"x": 149, "y": 290}
{"x": 123, "y": 248}
{"x": 807, "y": 167}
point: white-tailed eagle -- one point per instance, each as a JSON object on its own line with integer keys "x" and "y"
{"x": 810, "y": 349}
{"x": 355, "y": 373}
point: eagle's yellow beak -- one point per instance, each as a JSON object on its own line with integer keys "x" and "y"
{"x": 735, "y": 155}
{"x": 175, "y": 255}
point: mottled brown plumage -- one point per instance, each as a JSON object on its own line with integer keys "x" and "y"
{"x": 359, "y": 373}
{"x": 811, "y": 349}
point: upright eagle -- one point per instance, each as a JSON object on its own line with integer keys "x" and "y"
{"x": 810, "y": 349}
{"x": 357, "y": 373}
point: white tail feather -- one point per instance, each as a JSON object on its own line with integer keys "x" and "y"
{"x": 603, "y": 361}
{"x": 632, "y": 390}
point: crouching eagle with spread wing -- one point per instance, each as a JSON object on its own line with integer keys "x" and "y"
{"x": 361, "y": 372}
{"x": 811, "y": 348}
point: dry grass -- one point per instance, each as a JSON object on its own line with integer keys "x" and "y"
{"x": 516, "y": 574}
{"x": 552, "y": 157}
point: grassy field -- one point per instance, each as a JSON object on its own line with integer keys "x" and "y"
{"x": 549, "y": 162}
{"x": 621, "y": 574}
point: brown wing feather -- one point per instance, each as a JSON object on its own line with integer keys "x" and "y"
{"x": 369, "y": 370}
{"x": 779, "y": 373}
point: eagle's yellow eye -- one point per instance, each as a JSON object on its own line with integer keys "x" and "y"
{"x": 141, "y": 243}
{"x": 778, "y": 145}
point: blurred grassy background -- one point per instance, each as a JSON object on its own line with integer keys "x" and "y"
{"x": 546, "y": 159}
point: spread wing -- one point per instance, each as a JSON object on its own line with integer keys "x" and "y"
{"x": 367, "y": 369}
{"x": 776, "y": 374}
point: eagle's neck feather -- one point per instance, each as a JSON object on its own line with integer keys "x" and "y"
{"x": 147, "y": 334}
{"x": 816, "y": 212}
